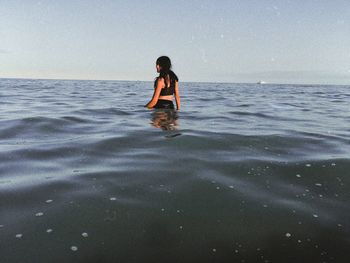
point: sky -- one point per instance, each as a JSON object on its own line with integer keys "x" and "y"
{"x": 277, "y": 41}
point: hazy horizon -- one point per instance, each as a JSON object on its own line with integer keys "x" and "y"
{"x": 152, "y": 81}
{"x": 280, "y": 42}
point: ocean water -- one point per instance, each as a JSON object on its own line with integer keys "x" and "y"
{"x": 242, "y": 173}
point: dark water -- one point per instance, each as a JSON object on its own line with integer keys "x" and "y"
{"x": 243, "y": 173}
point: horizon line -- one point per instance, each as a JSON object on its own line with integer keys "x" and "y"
{"x": 218, "y": 82}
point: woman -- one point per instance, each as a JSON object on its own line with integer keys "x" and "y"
{"x": 166, "y": 86}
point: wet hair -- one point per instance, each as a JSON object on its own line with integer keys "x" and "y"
{"x": 165, "y": 69}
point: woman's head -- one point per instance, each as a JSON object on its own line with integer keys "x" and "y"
{"x": 163, "y": 63}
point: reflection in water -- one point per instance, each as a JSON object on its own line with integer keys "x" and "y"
{"x": 165, "y": 119}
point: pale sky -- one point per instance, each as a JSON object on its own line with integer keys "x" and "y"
{"x": 278, "y": 41}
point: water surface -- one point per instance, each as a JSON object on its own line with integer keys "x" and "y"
{"x": 243, "y": 173}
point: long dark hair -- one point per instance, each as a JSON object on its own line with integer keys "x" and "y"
{"x": 165, "y": 70}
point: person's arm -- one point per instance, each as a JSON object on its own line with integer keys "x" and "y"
{"x": 177, "y": 95}
{"x": 157, "y": 90}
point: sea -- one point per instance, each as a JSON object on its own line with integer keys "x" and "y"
{"x": 241, "y": 173}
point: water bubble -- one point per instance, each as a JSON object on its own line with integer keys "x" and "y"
{"x": 181, "y": 227}
{"x": 85, "y": 234}
{"x": 333, "y": 164}
{"x": 49, "y": 201}
{"x": 19, "y": 236}
{"x": 74, "y": 248}
{"x": 112, "y": 198}
{"x": 298, "y": 175}
{"x": 288, "y": 235}
{"x": 49, "y": 230}
{"x": 308, "y": 165}
{"x": 318, "y": 184}
{"x": 315, "y": 215}
{"x": 214, "y": 249}
{"x": 39, "y": 214}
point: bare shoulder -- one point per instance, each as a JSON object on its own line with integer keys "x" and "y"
{"x": 160, "y": 80}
